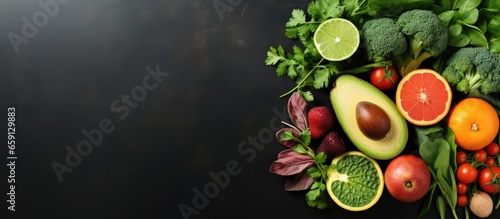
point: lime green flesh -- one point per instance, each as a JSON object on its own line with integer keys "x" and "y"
{"x": 348, "y": 91}
{"x": 336, "y": 39}
{"x": 362, "y": 183}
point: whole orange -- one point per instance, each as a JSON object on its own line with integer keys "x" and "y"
{"x": 474, "y": 122}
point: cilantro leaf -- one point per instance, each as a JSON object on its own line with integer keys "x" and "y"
{"x": 298, "y": 54}
{"x": 308, "y": 96}
{"x": 298, "y": 17}
{"x": 322, "y": 10}
{"x": 275, "y": 55}
{"x": 317, "y": 196}
{"x": 313, "y": 172}
{"x": 321, "y": 78}
{"x": 321, "y": 157}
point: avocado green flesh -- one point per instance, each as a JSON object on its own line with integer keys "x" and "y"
{"x": 348, "y": 91}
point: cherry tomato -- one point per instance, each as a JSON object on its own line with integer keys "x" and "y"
{"x": 462, "y": 200}
{"x": 461, "y": 157}
{"x": 384, "y": 78}
{"x": 492, "y": 149}
{"x": 461, "y": 188}
{"x": 490, "y": 161}
{"x": 466, "y": 173}
{"x": 486, "y": 179}
{"x": 480, "y": 155}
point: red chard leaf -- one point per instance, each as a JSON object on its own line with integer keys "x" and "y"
{"x": 297, "y": 110}
{"x": 287, "y": 153}
{"x": 290, "y": 163}
{"x": 299, "y": 182}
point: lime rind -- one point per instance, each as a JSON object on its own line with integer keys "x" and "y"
{"x": 336, "y": 39}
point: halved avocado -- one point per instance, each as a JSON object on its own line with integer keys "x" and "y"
{"x": 347, "y": 92}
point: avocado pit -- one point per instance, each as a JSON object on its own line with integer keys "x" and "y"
{"x": 372, "y": 120}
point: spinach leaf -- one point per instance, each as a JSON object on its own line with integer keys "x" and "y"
{"x": 450, "y": 137}
{"x": 428, "y": 199}
{"x": 436, "y": 151}
{"x": 441, "y": 206}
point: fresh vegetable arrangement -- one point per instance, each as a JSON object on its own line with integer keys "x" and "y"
{"x": 411, "y": 75}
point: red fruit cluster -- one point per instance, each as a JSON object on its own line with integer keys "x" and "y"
{"x": 477, "y": 169}
{"x": 321, "y": 121}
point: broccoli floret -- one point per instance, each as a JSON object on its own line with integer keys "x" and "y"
{"x": 427, "y": 37}
{"x": 408, "y": 41}
{"x": 472, "y": 69}
{"x": 492, "y": 84}
{"x": 383, "y": 39}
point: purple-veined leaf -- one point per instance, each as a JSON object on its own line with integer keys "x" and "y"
{"x": 299, "y": 182}
{"x": 285, "y": 137}
{"x": 297, "y": 110}
{"x": 287, "y": 153}
{"x": 290, "y": 163}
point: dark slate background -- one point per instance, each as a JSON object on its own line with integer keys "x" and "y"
{"x": 71, "y": 68}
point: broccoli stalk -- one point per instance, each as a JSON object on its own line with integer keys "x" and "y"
{"x": 474, "y": 81}
{"x": 406, "y": 64}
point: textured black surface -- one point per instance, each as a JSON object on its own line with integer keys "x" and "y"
{"x": 212, "y": 106}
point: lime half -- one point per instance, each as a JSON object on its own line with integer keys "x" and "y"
{"x": 336, "y": 39}
{"x": 355, "y": 181}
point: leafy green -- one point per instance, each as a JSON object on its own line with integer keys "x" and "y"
{"x": 428, "y": 199}
{"x": 387, "y": 7}
{"x": 298, "y": 27}
{"x": 317, "y": 197}
{"x": 439, "y": 155}
{"x": 323, "y": 10}
{"x": 471, "y": 22}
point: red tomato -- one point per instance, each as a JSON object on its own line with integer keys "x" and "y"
{"x": 384, "y": 78}
{"x": 461, "y": 188}
{"x": 461, "y": 157}
{"x": 490, "y": 161}
{"x": 480, "y": 155}
{"x": 462, "y": 200}
{"x": 466, "y": 173}
{"x": 492, "y": 149}
{"x": 486, "y": 179}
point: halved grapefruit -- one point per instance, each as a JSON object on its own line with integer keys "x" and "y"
{"x": 423, "y": 97}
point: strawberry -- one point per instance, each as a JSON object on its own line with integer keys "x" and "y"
{"x": 321, "y": 120}
{"x": 332, "y": 145}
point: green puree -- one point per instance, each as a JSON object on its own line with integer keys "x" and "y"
{"x": 362, "y": 181}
